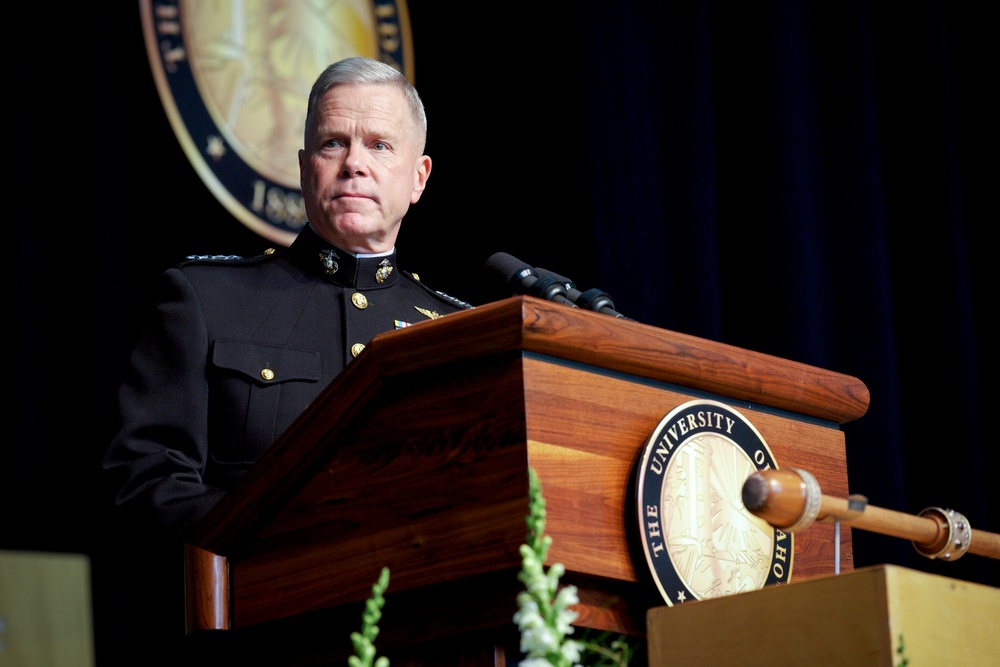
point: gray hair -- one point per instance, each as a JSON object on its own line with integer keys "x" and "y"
{"x": 358, "y": 70}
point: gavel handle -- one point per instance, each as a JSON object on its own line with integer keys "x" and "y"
{"x": 788, "y": 499}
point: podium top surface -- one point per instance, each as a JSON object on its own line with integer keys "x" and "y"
{"x": 624, "y": 346}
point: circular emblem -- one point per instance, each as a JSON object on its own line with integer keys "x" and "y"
{"x": 698, "y": 539}
{"x": 234, "y": 78}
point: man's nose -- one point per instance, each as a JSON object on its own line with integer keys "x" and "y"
{"x": 354, "y": 162}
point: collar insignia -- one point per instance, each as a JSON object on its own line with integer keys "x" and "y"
{"x": 328, "y": 258}
{"x": 384, "y": 269}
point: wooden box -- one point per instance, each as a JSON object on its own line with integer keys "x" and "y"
{"x": 882, "y": 615}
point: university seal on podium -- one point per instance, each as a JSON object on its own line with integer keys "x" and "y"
{"x": 698, "y": 539}
{"x": 234, "y": 78}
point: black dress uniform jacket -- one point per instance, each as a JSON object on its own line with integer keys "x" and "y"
{"x": 235, "y": 350}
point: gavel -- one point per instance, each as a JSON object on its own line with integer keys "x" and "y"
{"x": 791, "y": 500}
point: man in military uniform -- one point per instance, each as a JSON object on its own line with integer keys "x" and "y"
{"x": 237, "y": 348}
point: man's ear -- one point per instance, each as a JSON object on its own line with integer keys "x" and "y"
{"x": 302, "y": 160}
{"x": 420, "y": 175}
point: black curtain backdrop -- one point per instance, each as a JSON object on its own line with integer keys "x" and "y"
{"x": 805, "y": 179}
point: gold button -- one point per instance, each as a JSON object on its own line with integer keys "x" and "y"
{"x": 267, "y": 374}
{"x": 356, "y": 349}
{"x": 359, "y": 300}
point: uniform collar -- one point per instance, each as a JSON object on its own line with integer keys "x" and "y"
{"x": 341, "y": 267}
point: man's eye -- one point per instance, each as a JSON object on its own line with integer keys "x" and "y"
{"x": 334, "y": 143}
{"x": 379, "y": 146}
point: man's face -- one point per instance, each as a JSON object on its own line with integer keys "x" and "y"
{"x": 361, "y": 167}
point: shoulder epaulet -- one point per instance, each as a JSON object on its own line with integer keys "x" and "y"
{"x": 213, "y": 257}
{"x": 447, "y": 297}
{"x": 224, "y": 259}
{"x": 457, "y": 302}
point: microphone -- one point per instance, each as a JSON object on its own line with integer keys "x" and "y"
{"x": 592, "y": 299}
{"x": 525, "y": 280}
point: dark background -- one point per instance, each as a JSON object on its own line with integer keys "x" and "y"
{"x": 813, "y": 180}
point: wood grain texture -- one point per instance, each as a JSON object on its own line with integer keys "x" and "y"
{"x": 206, "y": 593}
{"x": 535, "y": 325}
{"x": 586, "y": 431}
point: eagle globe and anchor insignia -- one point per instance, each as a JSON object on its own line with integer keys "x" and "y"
{"x": 698, "y": 539}
{"x": 234, "y": 77}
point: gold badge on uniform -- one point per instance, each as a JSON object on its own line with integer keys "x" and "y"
{"x": 328, "y": 258}
{"x": 384, "y": 269}
{"x": 428, "y": 313}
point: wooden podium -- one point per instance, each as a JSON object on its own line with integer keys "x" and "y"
{"x": 416, "y": 457}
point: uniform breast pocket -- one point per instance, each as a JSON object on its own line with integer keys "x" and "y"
{"x": 256, "y": 391}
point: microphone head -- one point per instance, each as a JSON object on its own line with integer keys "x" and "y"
{"x": 508, "y": 268}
